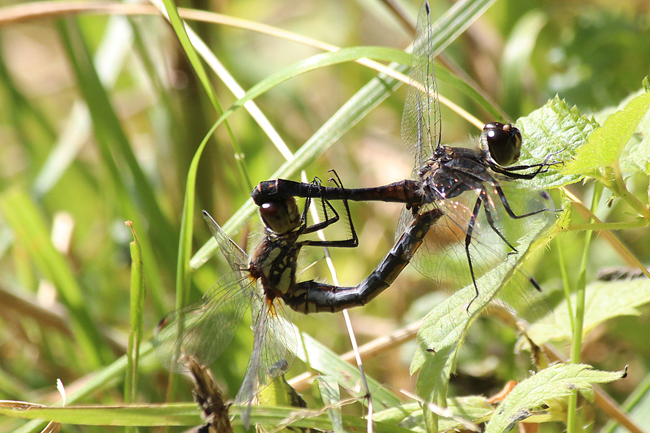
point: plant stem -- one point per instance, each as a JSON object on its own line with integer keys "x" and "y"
{"x": 578, "y": 322}
{"x": 565, "y": 278}
{"x": 617, "y": 185}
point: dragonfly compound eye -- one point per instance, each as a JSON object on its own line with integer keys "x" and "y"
{"x": 502, "y": 141}
{"x": 281, "y": 217}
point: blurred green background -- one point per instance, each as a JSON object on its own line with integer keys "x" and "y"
{"x": 64, "y": 178}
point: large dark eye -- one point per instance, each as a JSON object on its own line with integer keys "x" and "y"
{"x": 280, "y": 217}
{"x": 502, "y": 141}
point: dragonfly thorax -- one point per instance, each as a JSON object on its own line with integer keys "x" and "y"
{"x": 274, "y": 262}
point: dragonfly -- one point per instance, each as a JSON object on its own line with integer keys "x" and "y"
{"x": 476, "y": 188}
{"x": 203, "y": 331}
{"x": 261, "y": 281}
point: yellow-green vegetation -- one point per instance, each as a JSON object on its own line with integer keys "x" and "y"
{"x": 111, "y": 113}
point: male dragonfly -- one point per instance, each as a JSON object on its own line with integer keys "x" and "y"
{"x": 443, "y": 174}
{"x": 204, "y": 331}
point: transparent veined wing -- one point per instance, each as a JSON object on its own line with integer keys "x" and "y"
{"x": 235, "y": 256}
{"x": 421, "y": 116}
{"x": 274, "y": 350}
{"x": 443, "y": 258}
{"x": 205, "y": 329}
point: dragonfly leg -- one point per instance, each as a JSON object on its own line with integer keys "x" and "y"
{"x": 312, "y": 296}
{"x": 306, "y": 229}
{"x": 468, "y": 241}
{"x": 345, "y": 243}
{"x": 489, "y": 207}
{"x": 509, "y": 210}
{"x": 542, "y": 167}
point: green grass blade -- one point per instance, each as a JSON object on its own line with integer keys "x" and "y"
{"x": 29, "y": 230}
{"x": 330, "y": 395}
{"x": 183, "y": 414}
{"x": 24, "y": 115}
{"x": 114, "y": 144}
{"x": 444, "y": 74}
{"x": 515, "y": 63}
{"x": 184, "y": 35}
{"x": 109, "y": 60}
{"x": 137, "y": 310}
{"x": 96, "y": 381}
{"x": 109, "y": 130}
{"x": 181, "y": 33}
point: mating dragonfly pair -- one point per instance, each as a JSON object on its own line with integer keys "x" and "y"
{"x": 461, "y": 243}
{"x": 205, "y": 330}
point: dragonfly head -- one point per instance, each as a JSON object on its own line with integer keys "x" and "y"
{"x": 500, "y": 143}
{"x": 282, "y": 216}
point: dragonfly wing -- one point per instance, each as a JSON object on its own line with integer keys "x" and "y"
{"x": 443, "y": 257}
{"x": 236, "y": 257}
{"x": 205, "y": 329}
{"x": 280, "y": 345}
{"x": 274, "y": 349}
{"x": 405, "y": 220}
{"x": 421, "y": 116}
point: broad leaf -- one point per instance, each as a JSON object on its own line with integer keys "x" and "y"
{"x": 445, "y": 327}
{"x": 555, "y": 127}
{"x": 605, "y": 145}
{"x": 536, "y": 393}
{"x": 604, "y": 300}
{"x": 636, "y": 155}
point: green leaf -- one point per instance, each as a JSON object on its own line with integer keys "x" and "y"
{"x": 328, "y": 363}
{"x": 636, "y": 155}
{"x": 604, "y": 300}
{"x": 605, "y": 145}
{"x": 445, "y": 327}
{"x": 555, "y": 127}
{"x": 555, "y": 382}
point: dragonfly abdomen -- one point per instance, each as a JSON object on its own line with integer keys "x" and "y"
{"x": 315, "y": 297}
